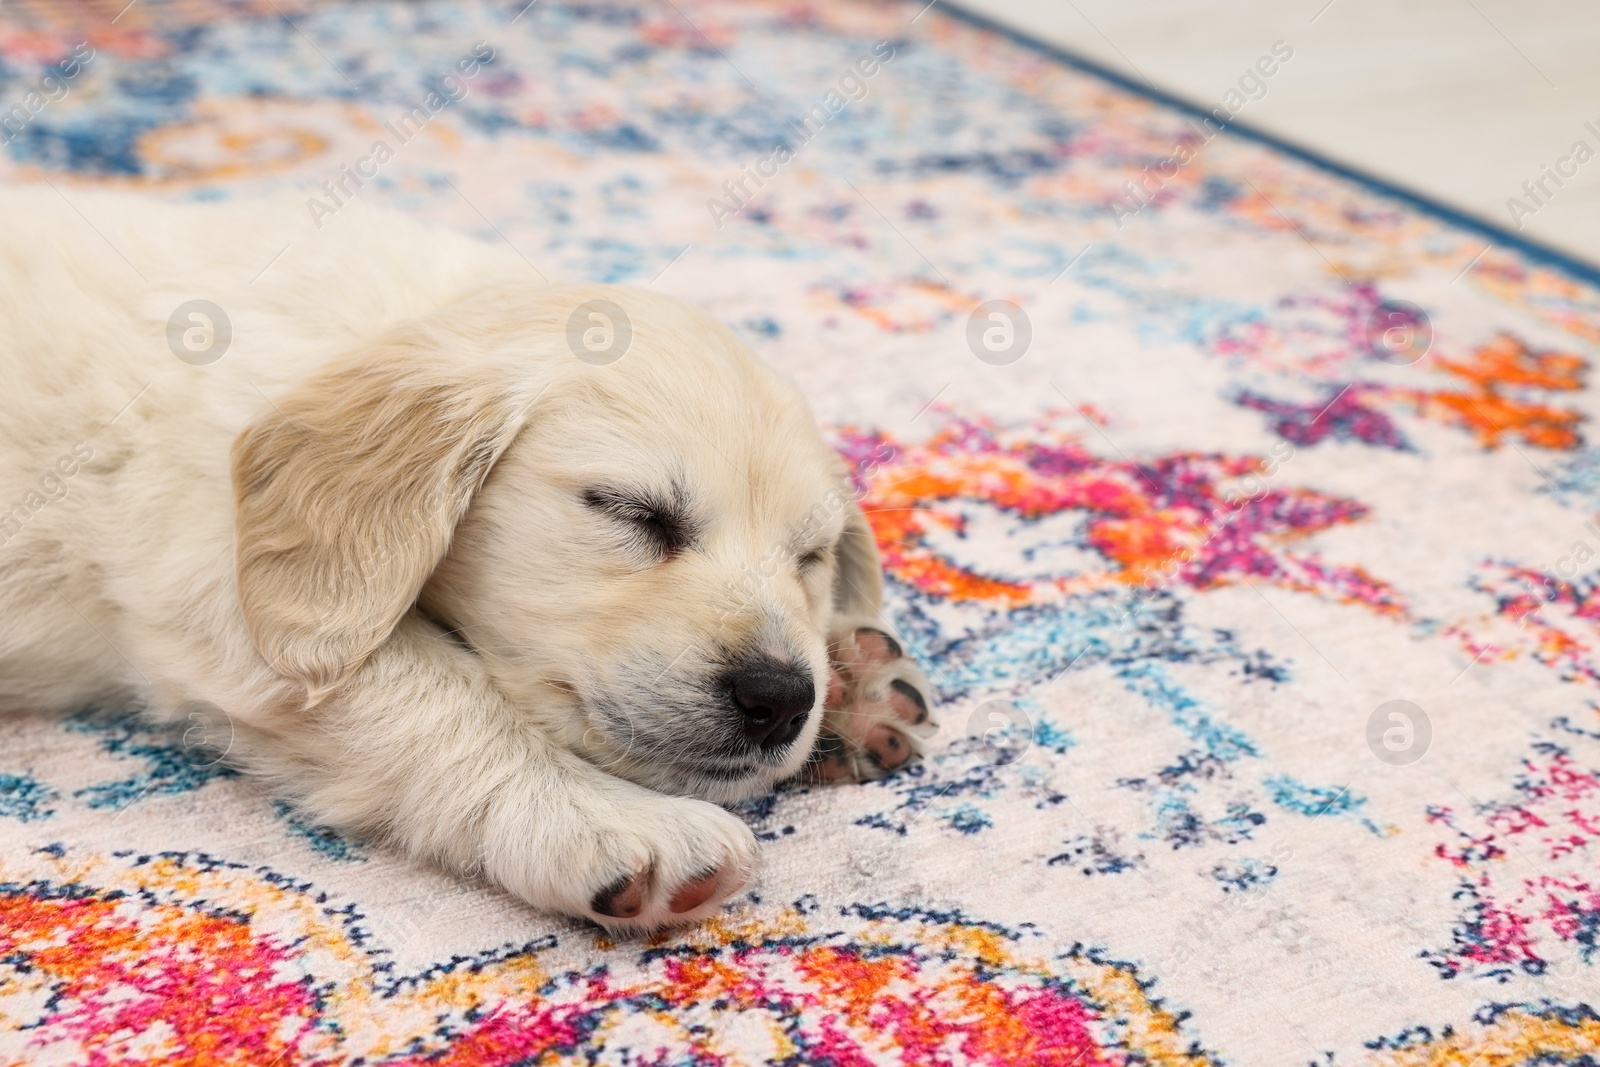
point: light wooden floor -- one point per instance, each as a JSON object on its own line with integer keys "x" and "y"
{"x": 1461, "y": 100}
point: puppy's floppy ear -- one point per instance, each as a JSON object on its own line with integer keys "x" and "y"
{"x": 858, "y": 582}
{"x": 348, "y": 492}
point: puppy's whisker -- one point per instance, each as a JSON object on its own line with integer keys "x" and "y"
{"x": 627, "y": 755}
{"x": 510, "y": 659}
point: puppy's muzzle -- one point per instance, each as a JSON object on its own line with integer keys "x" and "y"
{"x": 773, "y": 700}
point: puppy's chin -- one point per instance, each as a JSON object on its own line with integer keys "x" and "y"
{"x": 719, "y": 780}
{"x": 720, "y": 785}
{"x": 725, "y": 790}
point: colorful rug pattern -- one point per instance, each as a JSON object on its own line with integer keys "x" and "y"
{"x": 1258, "y": 569}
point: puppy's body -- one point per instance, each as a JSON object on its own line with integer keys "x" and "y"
{"x": 515, "y": 611}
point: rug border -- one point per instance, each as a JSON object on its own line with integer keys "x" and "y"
{"x": 1500, "y": 236}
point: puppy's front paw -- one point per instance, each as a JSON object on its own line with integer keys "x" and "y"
{"x": 876, "y": 715}
{"x": 669, "y": 860}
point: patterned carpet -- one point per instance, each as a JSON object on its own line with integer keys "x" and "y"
{"x": 1250, "y": 541}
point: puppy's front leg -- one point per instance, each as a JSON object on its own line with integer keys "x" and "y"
{"x": 421, "y": 750}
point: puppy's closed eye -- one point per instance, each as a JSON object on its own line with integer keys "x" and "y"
{"x": 664, "y": 523}
{"x": 813, "y": 558}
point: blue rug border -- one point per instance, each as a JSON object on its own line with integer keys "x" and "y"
{"x": 1498, "y": 235}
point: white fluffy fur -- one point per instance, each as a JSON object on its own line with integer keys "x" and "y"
{"x": 362, "y": 534}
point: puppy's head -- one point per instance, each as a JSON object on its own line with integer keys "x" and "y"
{"x": 645, "y": 555}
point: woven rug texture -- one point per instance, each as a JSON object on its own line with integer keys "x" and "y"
{"x": 1244, "y": 515}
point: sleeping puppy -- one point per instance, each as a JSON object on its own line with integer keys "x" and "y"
{"x": 525, "y": 579}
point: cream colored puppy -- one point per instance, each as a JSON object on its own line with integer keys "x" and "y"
{"x": 525, "y": 579}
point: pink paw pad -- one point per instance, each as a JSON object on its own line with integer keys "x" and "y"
{"x": 622, "y": 899}
{"x": 907, "y": 703}
{"x": 693, "y": 893}
{"x": 889, "y": 750}
{"x": 876, "y": 646}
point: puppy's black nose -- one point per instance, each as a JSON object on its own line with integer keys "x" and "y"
{"x": 774, "y": 700}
